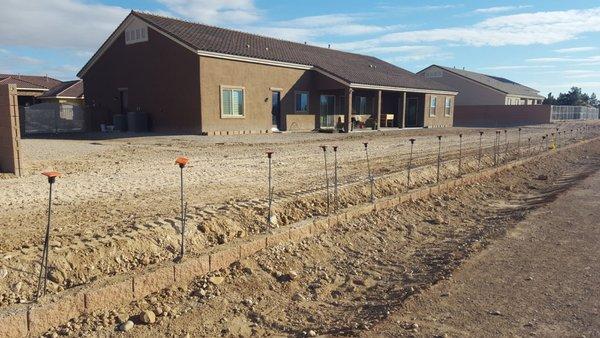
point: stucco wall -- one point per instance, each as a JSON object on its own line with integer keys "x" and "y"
{"x": 258, "y": 81}
{"x": 440, "y": 120}
{"x": 469, "y": 91}
{"x": 161, "y": 77}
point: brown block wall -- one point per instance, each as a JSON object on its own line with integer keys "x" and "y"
{"x": 10, "y": 136}
{"x": 501, "y": 116}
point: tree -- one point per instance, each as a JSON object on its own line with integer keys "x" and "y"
{"x": 550, "y": 100}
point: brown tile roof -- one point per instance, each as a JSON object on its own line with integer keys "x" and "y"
{"x": 350, "y": 67}
{"x": 67, "y": 89}
{"x": 499, "y": 83}
{"x": 29, "y": 81}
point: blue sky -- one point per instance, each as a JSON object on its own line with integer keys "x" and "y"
{"x": 548, "y": 45}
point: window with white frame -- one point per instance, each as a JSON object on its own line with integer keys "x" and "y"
{"x": 232, "y": 102}
{"x": 301, "y": 102}
{"x": 448, "y": 106}
{"x": 432, "y": 106}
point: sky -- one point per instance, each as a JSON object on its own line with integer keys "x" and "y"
{"x": 548, "y": 45}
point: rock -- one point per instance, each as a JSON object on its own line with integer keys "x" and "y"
{"x": 298, "y": 297}
{"x": 147, "y": 317}
{"x": 122, "y": 318}
{"x": 3, "y": 272}
{"x": 542, "y": 177}
{"x": 495, "y": 313}
{"x": 274, "y": 220}
{"x": 128, "y": 325}
{"x": 57, "y": 276}
{"x": 216, "y": 280}
{"x": 312, "y": 333}
{"x": 17, "y": 287}
{"x": 248, "y": 302}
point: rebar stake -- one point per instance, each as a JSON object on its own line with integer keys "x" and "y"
{"x": 269, "y": 222}
{"x": 506, "y": 142}
{"x": 460, "y": 154}
{"x": 519, "y": 144}
{"x": 412, "y": 143}
{"x": 43, "y": 277}
{"x": 326, "y": 177}
{"x": 335, "y": 179}
{"x": 529, "y": 146}
{"x": 182, "y": 162}
{"x": 439, "y": 161}
{"x": 369, "y": 169}
{"x": 496, "y": 146}
{"x": 479, "y": 153}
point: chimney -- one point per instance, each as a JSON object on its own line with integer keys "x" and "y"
{"x": 329, "y": 46}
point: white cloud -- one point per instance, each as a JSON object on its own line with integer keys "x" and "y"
{"x": 8, "y": 60}
{"x": 57, "y": 23}
{"x": 214, "y": 11}
{"x": 311, "y": 28}
{"x": 517, "y": 29}
{"x": 500, "y": 9}
{"x": 517, "y": 67}
{"x": 590, "y": 60}
{"x": 576, "y": 49}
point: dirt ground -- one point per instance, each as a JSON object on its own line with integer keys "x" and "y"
{"x": 406, "y": 271}
{"x": 115, "y": 208}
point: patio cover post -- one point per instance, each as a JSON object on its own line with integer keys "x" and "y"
{"x": 403, "y": 110}
{"x": 348, "y": 112}
{"x": 378, "y": 107}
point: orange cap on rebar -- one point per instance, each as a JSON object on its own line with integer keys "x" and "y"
{"x": 182, "y": 161}
{"x": 51, "y": 174}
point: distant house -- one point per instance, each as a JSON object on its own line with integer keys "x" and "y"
{"x": 190, "y": 77}
{"x": 477, "y": 89}
{"x": 29, "y": 87}
{"x": 66, "y": 92}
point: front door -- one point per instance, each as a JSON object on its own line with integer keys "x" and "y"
{"x": 412, "y": 108}
{"x": 276, "y": 109}
{"x": 327, "y": 111}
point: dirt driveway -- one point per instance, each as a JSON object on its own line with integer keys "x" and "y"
{"x": 541, "y": 280}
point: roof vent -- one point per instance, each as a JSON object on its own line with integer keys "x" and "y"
{"x": 266, "y": 48}
{"x": 248, "y": 46}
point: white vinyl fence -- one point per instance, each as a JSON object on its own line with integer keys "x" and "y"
{"x": 52, "y": 118}
{"x": 574, "y": 113}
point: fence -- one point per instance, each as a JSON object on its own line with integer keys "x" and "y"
{"x": 52, "y": 118}
{"x": 574, "y": 113}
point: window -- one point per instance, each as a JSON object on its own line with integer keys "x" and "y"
{"x": 136, "y": 34}
{"x": 432, "y": 106}
{"x": 302, "y": 102}
{"x": 232, "y": 102}
{"x": 448, "y": 106}
{"x": 361, "y": 106}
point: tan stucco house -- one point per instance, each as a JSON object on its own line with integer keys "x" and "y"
{"x": 476, "y": 89}
{"x": 190, "y": 77}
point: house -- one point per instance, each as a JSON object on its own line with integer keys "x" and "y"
{"x": 48, "y": 105}
{"x": 29, "y": 87}
{"x": 190, "y": 77}
{"x": 68, "y": 92}
{"x": 477, "y": 89}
